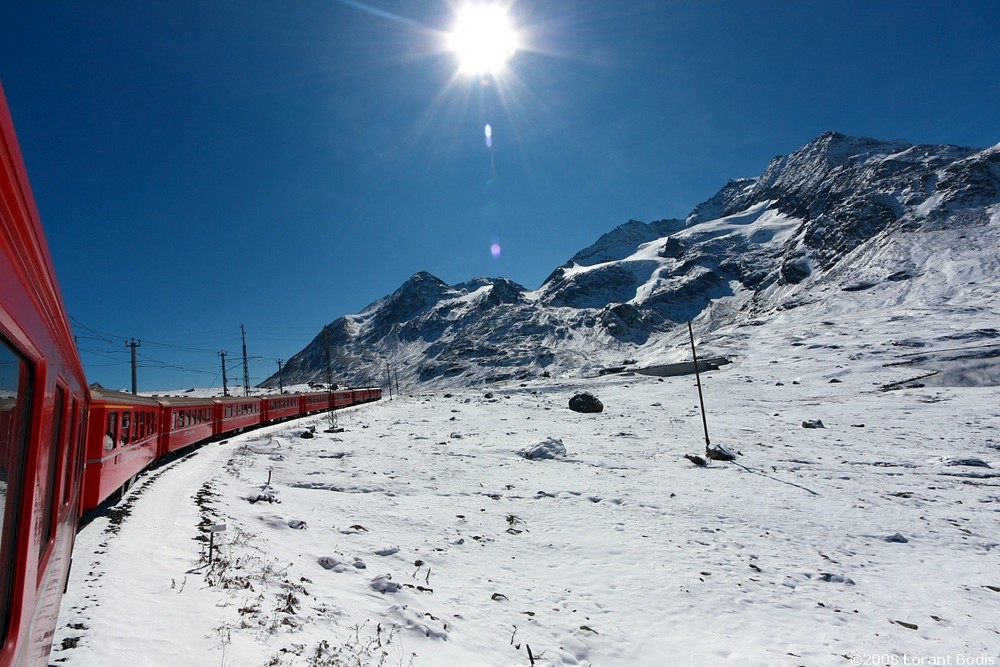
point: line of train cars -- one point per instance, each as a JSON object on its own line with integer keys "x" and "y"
{"x": 126, "y": 433}
{"x": 64, "y": 447}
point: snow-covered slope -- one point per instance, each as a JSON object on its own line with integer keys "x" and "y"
{"x": 852, "y": 223}
{"x": 419, "y": 536}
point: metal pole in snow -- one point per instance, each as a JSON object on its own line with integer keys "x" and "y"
{"x": 697, "y": 377}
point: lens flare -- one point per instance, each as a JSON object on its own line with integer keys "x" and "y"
{"x": 495, "y": 250}
{"x": 488, "y": 131}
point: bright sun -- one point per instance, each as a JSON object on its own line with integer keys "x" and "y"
{"x": 482, "y": 38}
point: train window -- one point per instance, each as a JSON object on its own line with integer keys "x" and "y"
{"x": 81, "y": 443}
{"x": 126, "y": 425}
{"x": 68, "y": 458}
{"x": 15, "y": 388}
{"x": 46, "y": 524}
{"x": 112, "y": 432}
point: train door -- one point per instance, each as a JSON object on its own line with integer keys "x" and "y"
{"x": 15, "y": 392}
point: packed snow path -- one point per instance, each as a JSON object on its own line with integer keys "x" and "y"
{"x": 419, "y": 536}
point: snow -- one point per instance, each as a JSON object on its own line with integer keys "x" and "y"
{"x": 420, "y": 536}
{"x": 758, "y": 224}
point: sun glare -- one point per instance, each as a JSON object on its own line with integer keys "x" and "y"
{"x": 482, "y": 38}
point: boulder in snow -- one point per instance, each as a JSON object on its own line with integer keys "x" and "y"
{"x": 585, "y": 402}
{"x": 550, "y": 448}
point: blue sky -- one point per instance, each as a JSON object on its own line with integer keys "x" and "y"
{"x": 201, "y": 165}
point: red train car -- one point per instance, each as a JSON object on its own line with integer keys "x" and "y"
{"x": 123, "y": 435}
{"x": 316, "y": 402}
{"x": 343, "y": 398}
{"x": 234, "y": 415}
{"x": 43, "y": 405}
{"x": 282, "y": 406}
{"x": 367, "y": 394}
{"x": 185, "y": 421}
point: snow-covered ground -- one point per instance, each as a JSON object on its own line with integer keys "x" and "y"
{"x": 419, "y": 535}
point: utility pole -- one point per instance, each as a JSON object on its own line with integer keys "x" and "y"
{"x": 388, "y": 379}
{"x": 134, "y": 344}
{"x": 281, "y": 386}
{"x": 396, "y": 373}
{"x": 225, "y": 382}
{"x": 246, "y": 365}
{"x": 326, "y": 353}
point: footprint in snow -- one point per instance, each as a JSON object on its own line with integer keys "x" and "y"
{"x": 331, "y": 563}
{"x": 383, "y": 583}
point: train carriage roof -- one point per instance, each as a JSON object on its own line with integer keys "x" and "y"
{"x": 102, "y": 395}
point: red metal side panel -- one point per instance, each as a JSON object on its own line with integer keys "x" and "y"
{"x": 185, "y": 422}
{"x": 343, "y": 398}
{"x": 317, "y": 402}
{"x": 235, "y": 414}
{"x": 280, "y": 407}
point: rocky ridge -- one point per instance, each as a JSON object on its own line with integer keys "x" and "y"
{"x": 842, "y": 213}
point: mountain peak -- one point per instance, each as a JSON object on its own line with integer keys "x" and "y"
{"x": 621, "y": 241}
{"x": 420, "y": 293}
{"x": 839, "y": 149}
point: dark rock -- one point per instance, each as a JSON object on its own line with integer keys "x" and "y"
{"x": 896, "y": 537}
{"x": 585, "y": 402}
{"x": 697, "y": 460}
{"x": 720, "y": 453}
{"x": 971, "y": 462}
{"x": 813, "y": 423}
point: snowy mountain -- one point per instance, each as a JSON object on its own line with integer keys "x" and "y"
{"x": 852, "y": 224}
